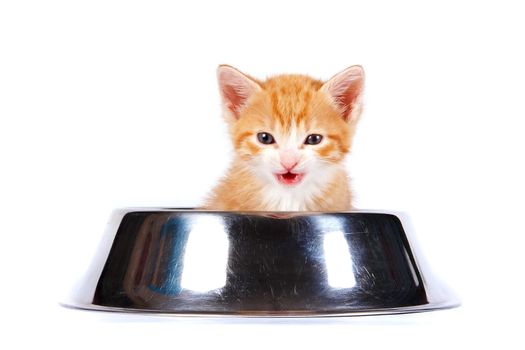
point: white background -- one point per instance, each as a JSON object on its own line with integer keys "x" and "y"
{"x": 105, "y": 104}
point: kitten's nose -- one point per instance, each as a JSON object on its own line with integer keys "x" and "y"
{"x": 289, "y": 160}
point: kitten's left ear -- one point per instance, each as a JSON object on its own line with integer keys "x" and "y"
{"x": 345, "y": 90}
{"x": 236, "y": 89}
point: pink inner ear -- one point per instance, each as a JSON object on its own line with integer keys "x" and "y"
{"x": 347, "y": 98}
{"x": 234, "y": 100}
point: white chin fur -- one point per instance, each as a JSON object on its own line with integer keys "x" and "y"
{"x": 298, "y": 197}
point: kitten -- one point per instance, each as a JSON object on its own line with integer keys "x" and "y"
{"x": 291, "y": 134}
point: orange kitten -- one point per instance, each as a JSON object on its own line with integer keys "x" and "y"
{"x": 291, "y": 134}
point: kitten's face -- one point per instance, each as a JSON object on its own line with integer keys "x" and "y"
{"x": 291, "y": 131}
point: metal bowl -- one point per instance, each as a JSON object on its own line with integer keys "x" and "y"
{"x": 185, "y": 261}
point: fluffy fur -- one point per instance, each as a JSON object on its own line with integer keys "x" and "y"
{"x": 289, "y": 107}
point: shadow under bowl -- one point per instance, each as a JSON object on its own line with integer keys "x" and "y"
{"x": 195, "y": 262}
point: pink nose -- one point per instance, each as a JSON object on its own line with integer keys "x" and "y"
{"x": 288, "y": 160}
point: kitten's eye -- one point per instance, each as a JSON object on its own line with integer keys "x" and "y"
{"x": 265, "y": 138}
{"x": 313, "y": 139}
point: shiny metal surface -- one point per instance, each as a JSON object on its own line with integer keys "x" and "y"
{"x": 187, "y": 262}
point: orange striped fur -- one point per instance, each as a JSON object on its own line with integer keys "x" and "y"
{"x": 289, "y": 174}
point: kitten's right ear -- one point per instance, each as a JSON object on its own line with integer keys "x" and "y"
{"x": 236, "y": 89}
{"x": 345, "y": 90}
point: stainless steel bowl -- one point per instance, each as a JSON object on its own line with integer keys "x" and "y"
{"x": 184, "y": 261}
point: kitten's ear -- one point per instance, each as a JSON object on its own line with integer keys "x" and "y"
{"x": 345, "y": 90}
{"x": 236, "y": 88}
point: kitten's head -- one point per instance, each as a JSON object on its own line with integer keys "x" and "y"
{"x": 291, "y": 130}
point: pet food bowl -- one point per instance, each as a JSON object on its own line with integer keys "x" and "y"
{"x": 194, "y": 262}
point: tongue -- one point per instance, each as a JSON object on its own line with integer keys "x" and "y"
{"x": 289, "y": 176}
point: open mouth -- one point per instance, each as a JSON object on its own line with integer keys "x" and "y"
{"x": 289, "y": 178}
